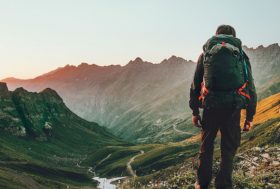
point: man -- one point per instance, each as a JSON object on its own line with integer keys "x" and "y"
{"x": 222, "y": 86}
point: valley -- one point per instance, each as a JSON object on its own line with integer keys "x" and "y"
{"x": 45, "y": 145}
{"x": 75, "y": 150}
{"x": 129, "y": 121}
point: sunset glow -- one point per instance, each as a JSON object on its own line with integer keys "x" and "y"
{"x": 39, "y": 36}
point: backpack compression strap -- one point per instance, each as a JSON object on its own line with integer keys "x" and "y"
{"x": 204, "y": 91}
{"x": 245, "y": 66}
{"x": 241, "y": 92}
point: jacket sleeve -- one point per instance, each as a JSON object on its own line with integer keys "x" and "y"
{"x": 196, "y": 85}
{"x": 251, "y": 108}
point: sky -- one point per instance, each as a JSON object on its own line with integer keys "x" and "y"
{"x": 37, "y": 36}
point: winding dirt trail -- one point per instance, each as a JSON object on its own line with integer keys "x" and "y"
{"x": 128, "y": 165}
{"x": 182, "y": 132}
{"x": 101, "y": 161}
{"x": 92, "y": 169}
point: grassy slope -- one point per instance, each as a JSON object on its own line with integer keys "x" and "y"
{"x": 53, "y": 162}
{"x": 55, "y": 157}
{"x": 267, "y": 108}
{"x": 24, "y": 162}
{"x": 160, "y": 156}
{"x": 63, "y": 158}
{"x": 265, "y": 132}
{"x": 41, "y": 160}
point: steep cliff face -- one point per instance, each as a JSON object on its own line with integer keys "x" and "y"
{"x": 9, "y": 116}
{"x": 142, "y": 101}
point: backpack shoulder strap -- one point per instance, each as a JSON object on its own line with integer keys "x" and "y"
{"x": 244, "y": 65}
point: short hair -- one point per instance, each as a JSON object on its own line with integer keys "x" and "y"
{"x": 226, "y": 29}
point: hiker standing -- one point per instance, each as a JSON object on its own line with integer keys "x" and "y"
{"x": 222, "y": 86}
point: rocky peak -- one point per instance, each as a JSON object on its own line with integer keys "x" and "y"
{"x": 274, "y": 45}
{"x": 260, "y": 47}
{"x": 3, "y": 87}
{"x": 51, "y": 93}
{"x": 137, "y": 60}
{"x": 83, "y": 64}
{"x": 86, "y": 65}
{"x": 20, "y": 90}
{"x": 173, "y": 59}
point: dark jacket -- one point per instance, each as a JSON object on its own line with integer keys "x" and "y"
{"x": 196, "y": 86}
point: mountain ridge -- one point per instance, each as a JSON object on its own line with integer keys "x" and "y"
{"x": 273, "y": 45}
{"x": 85, "y": 65}
{"x": 141, "y": 101}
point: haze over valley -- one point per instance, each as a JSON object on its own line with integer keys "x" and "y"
{"x": 143, "y": 101}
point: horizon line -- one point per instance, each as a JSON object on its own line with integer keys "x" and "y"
{"x": 123, "y": 65}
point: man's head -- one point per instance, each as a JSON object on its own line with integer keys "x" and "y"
{"x": 226, "y": 29}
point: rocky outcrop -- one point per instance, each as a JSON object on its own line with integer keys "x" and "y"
{"x": 3, "y": 87}
{"x": 30, "y": 114}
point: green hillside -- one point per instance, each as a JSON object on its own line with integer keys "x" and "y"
{"x": 44, "y": 145}
{"x": 42, "y": 141}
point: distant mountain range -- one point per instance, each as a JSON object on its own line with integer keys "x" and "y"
{"x": 142, "y": 101}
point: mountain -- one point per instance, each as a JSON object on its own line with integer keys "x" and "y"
{"x": 45, "y": 145}
{"x": 142, "y": 101}
{"x": 266, "y": 69}
{"x": 41, "y": 141}
{"x": 123, "y": 98}
{"x": 43, "y": 116}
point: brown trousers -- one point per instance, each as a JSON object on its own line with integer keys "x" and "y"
{"x": 228, "y": 122}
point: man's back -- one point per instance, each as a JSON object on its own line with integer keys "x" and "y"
{"x": 222, "y": 86}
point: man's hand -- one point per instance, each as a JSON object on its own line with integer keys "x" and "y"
{"x": 247, "y": 125}
{"x": 196, "y": 120}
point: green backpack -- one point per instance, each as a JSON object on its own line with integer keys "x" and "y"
{"x": 225, "y": 76}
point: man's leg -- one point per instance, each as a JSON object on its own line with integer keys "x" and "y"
{"x": 230, "y": 140}
{"x": 209, "y": 132}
